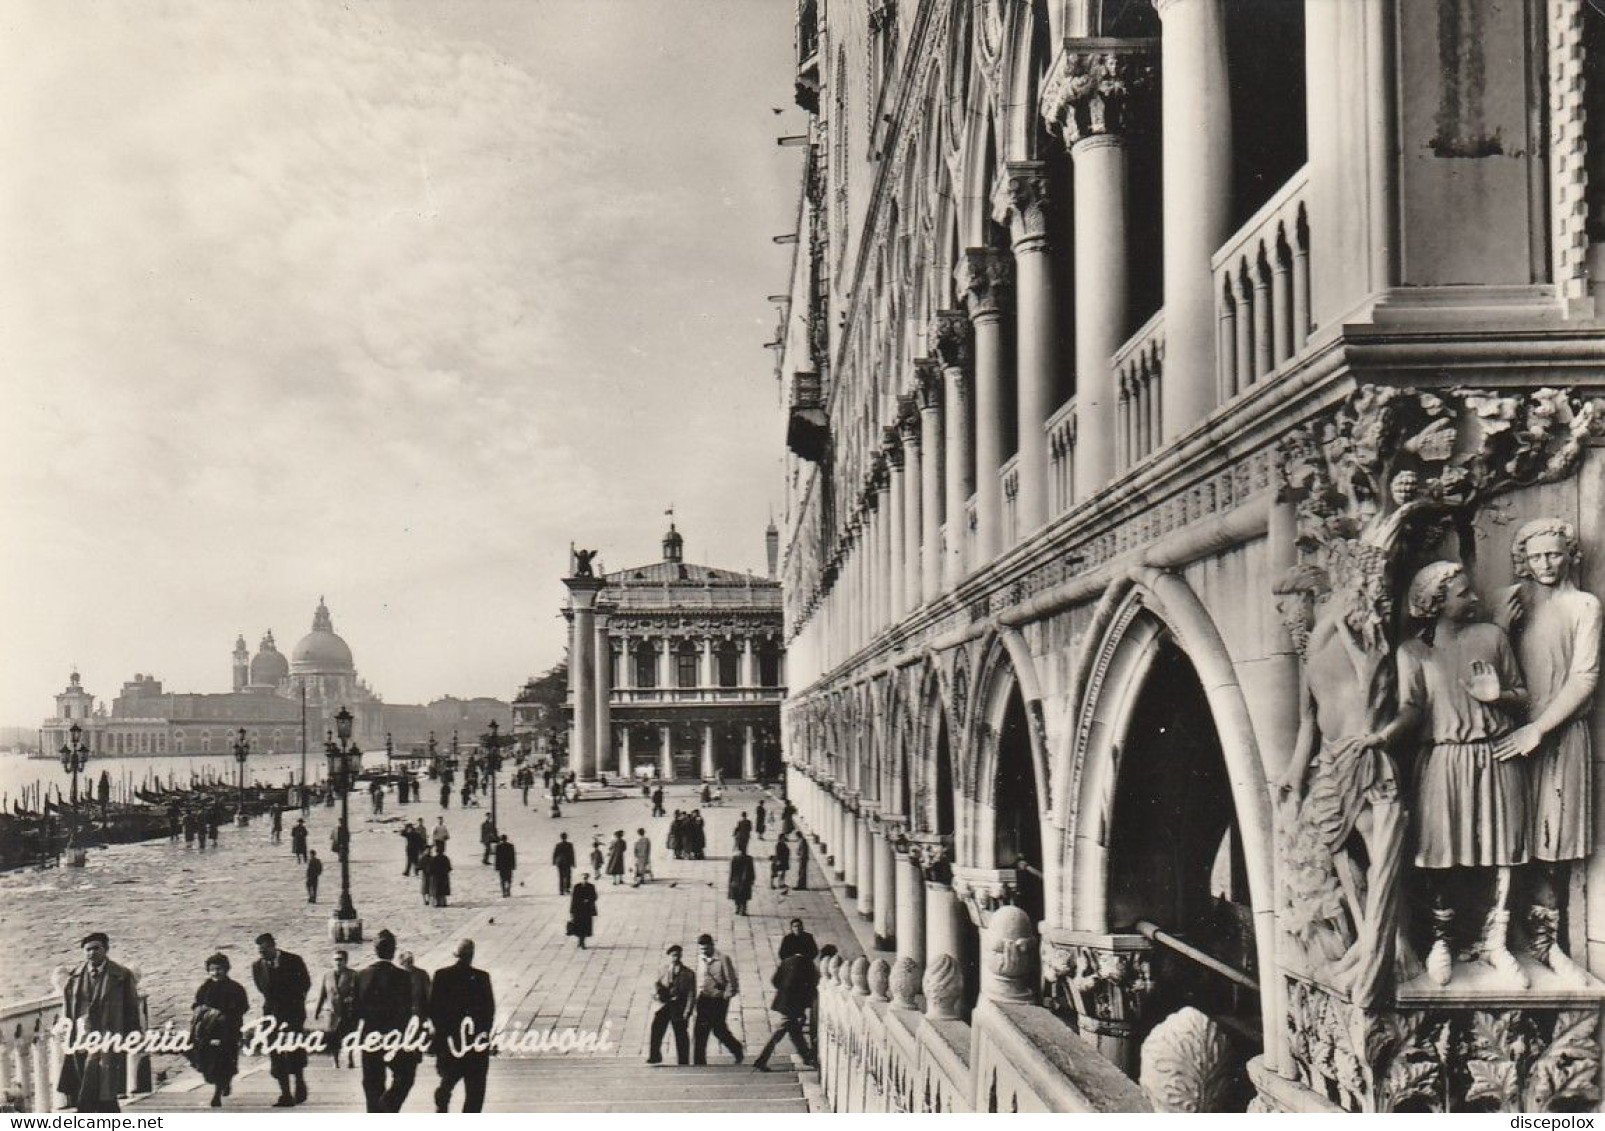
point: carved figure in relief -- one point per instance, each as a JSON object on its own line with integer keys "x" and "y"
{"x": 1556, "y": 629}
{"x": 1461, "y": 687}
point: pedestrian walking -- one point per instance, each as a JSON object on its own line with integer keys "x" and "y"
{"x": 798, "y": 941}
{"x": 420, "y": 982}
{"x": 216, "y": 1017}
{"x": 673, "y": 994}
{"x": 441, "y": 833}
{"x": 415, "y": 840}
{"x": 276, "y": 823}
{"x": 716, "y": 985}
{"x": 298, "y": 839}
{"x": 339, "y": 993}
{"x": 760, "y": 818}
{"x": 676, "y": 831}
{"x": 802, "y": 864}
{"x": 487, "y": 839}
{"x": 384, "y": 1010}
{"x": 742, "y": 835}
{"x": 657, "y": 801}
{"x": 598, "y": 858}
{"x": 340, "y": 839}
{"x": 563, "y": 861}
{"x": 462, "y": 1009}
{"x": 314, "y": 873}
{"x": 282, "y": 980}
{"x": 438, "y": 865}
{"x": 779, "y": 864}
{"x": 643, "y": 857}
{"x": 526, "y": 779}
{"x": 796, "y": 982}
{"x": 743, "y": 875}
{"x": 506, "y": 861}
{"x": 99, "y": 999}
{"x": 615, "y": 857}
{"x": 582, "y": 909}
{"x": 445, "y": 793}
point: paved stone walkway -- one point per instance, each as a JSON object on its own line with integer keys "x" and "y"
{"x": 541, "y": 977}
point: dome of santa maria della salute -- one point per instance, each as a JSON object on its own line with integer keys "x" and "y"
{"x": 321, "y": 651}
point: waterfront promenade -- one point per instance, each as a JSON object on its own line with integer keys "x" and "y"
{"x": 167, "y": 907}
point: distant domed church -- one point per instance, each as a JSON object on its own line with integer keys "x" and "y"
{"x": 266, "y": 700}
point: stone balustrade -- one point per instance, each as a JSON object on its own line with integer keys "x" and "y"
{"x": 31, "y": 1055}
{"x": 1061, "y": 429}
{"x": 1139, "y": 380}
{"x": 1262, "y": 291}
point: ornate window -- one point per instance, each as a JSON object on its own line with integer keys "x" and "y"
{"x": 729, "y": 665}
{"x": 646, "y": 666}
{"x": 685, "y": 665}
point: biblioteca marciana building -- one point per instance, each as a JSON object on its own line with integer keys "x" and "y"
{"x": 1195, "y": 516}
{"x": 676, "y": 671}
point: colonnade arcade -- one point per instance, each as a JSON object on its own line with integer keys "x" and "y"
{"x": 1147, "y": 819}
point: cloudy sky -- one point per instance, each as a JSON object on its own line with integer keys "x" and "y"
{"x": 386, "y": 302}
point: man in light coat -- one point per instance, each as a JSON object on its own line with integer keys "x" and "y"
{"x": 101, "y": 998}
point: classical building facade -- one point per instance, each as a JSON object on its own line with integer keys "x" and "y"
{"x": 675, "y": 670}
{"x": 266, "y": 701}
{"x": 1165, "y": 380}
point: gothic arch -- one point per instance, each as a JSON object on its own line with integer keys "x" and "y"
{"x": 1136, "y": 617}
{"x": 1005, "y": 667}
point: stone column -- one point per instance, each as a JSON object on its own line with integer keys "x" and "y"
{"x": 896, "y": 548}
{"x": 666, "y": 753}
{"x": 749, "y": 663}
{"x": 1197, "y": 161}
{"x": 909, "y": 925}
{"x": 625, "y": 768}
{"x": 953, "y": 334}
{"x": 928, "y": 396}
{"x": 582, "y": 673}
{"x": 665, "y": 662}
{"x": 1036, "y": 338}
{"x": 1094, "y": 94}
{"x": 880, "y": 560}
{"x": 604, "y": 695}
{"x": 908, "y": 430}
{"x": 846, "y": 846}
{"x": 710, "y": 663}
{"x": 749, "y": 758}
{"x": 885, "y": 886}
{"x": 626, "y": 664}
{"x": 708, "y": 768}
{"x": 869, "y": 894}
{"x": 985, "y": 279}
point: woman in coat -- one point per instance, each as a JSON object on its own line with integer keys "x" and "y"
{"x": 582, "y": 909}
{"x": 218, "y": 1015}
{"x": 615, "y": 857}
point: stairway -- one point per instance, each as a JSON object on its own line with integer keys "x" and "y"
{"x": 527, "y": 1084}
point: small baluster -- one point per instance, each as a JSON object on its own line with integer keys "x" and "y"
{"x": 1226, "y": 343}
{"x": 1262, "y": 313}
{"x": 1241, "y": 296}
{"x": 1156, "y": 402}
{"x": 1123, "y": 424}
{"x": 1301, "y": 280}
{"x": 1281, "y": 302}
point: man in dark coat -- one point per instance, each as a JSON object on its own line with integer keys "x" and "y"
{"x": 100, "y": 997}
{"x": 506, "y": 861}
{"x": 779, "y": 864}
{"x": 283, "y": 981}
{"x": 798, "y": 941}
{"x": 314, "y": 873}
{"x": 463, "y": 1010}
{"x": 657, "y": 802}
{"x": 582, "y": 909}
{"x": 742, "y": 878}
{"x": 487, "y": 838}
{"x": 439, "y": 871}
{"x": 760, "y": 819}
{"x": 673, "y": 994}
{"x": 796, "y": 980}
{"x": 563, "y": 860}
{"x": 385, "y": 1006}
{"x": 743, "y": 833}
{"x": 414, "y": 842}
{"x": 276, "y": 815}
{"x": 298, "y": 841}
{"x": 802, "y": 864}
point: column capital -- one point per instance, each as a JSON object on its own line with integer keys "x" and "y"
{"x": 908, "y": 420}
{"x": 953, "y": 334}
{"x": 1099, "y": 87}
{"x": 985, "y": 277}
{"x": 892, "y": 449}
{"x": 927, "y": 383}
{"x": 1027, "y": 190}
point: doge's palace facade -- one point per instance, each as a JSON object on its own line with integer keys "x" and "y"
{"x": 1195, "y": 506}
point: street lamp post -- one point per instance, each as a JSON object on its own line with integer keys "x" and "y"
{"x": 492, "y": 743}
{"x": 242, "y": 751}
{"x": 345, "y": 763}
{"x": 74, "y": 757}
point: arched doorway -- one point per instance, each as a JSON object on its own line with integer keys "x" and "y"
{"x": 1175, "y": 853}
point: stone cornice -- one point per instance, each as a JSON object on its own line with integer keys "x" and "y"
{"x": 1100, "y": 87}
{"x": 986, "y": 276}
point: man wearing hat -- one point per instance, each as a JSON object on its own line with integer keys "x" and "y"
{"x": 716, "y": 985}
{"x": 283, "y": 981}
{"x": 674, "y": 991}
{"x": 102, "y": 998}
{"x": 385, "y": 1005}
